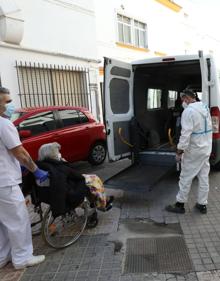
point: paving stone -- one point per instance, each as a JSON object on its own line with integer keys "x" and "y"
{"x": 209, "y": 266}
{"x": 216, "y": 259}
{"x": 206, "y": 260}
{"x": 65, "y": 276}
{"x": 43, "y": 277}
{"x": 208, "y": 276}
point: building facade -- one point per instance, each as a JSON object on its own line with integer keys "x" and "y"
{"x": 48, "y": 53}
{"x": 131, "y": 30}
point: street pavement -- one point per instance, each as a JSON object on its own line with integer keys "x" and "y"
{"x": 137, "y": 240}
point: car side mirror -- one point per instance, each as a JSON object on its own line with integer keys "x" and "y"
{"x": 24, "y": 133}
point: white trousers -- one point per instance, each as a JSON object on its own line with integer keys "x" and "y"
{"x": 194, "y": 164}
{"x": 15, "y": 229}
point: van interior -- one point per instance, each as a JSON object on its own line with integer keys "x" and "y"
{"x": 157, "y": 103}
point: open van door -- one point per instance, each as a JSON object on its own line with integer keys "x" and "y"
{"x": 205, "y": 65}
{"x": 118, "y": 107}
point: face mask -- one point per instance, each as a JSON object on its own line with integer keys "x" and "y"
{"x": 184, "y": 104}
{"x": 10, "y": 109}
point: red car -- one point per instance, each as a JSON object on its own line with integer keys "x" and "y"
{"x": 81, "y": 137}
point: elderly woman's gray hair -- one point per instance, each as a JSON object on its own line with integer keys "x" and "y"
{"x": 49, "y": 151}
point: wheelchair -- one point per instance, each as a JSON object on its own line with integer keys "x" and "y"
{"x": 63, "y": 230}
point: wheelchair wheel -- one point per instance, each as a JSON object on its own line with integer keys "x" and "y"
{"x": 64, "y": 230}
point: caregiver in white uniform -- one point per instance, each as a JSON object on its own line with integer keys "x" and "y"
{"x": 15, "y": 230}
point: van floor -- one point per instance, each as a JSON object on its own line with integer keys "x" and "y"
{"x": 142, "y": 177}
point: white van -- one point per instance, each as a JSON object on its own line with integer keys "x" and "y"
{"x": 142, "y": 106}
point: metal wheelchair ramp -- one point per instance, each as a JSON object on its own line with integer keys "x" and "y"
{"x": 142, "y": 177}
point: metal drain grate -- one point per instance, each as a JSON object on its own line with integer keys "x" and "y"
{"x": 162, "y": 255}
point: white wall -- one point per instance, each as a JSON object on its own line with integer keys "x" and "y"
{"x": 57, "y": 32}
{"x": 66, "y": 26}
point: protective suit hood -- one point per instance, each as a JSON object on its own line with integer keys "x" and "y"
{"x": 200, "y": 107}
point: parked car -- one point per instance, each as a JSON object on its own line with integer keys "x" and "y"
{"x": 81, "y": 137}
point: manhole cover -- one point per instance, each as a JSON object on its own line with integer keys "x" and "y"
{"x": 162, "y": 255}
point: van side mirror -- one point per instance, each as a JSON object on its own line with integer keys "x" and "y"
{"x": 24, "y": 133}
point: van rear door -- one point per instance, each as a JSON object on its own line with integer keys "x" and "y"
{"x": 118, "y": 107}
{"x": 205, "y": 65}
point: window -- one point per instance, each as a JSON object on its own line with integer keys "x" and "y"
{"x": 119, "y": 91}
{"x": 131, "y": 32}
{"x": 39, "y": 123}
{"x": 69, "y": 117}
{"x": 83, "y": 117}
{"x": 43, "y": 85}
{"x": 124, "y": 29}
{"x": 154, "y": 98}
{"x": 172, "y": 96}
{"x": 140, "y": 34}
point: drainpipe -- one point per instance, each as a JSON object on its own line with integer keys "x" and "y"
{"x": 11, "y": 22}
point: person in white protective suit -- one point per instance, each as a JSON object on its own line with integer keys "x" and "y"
{"x": 15, "y": 230}
{"x": 193, "y": 149}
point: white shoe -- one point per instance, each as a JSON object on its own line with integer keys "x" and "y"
{"x": 4, "y": 262}
{"x": 31, "y": 262}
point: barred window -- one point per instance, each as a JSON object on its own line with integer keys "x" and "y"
{"x": 43, "y": 85}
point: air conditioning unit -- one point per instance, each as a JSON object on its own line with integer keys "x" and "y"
{"x": 11, "y": 22}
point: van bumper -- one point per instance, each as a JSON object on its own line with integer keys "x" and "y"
{"x": 215, "y": 155}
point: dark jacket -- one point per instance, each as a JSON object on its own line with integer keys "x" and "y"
{"x": 67, "y": 187}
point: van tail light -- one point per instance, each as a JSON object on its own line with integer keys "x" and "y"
{"x": 215, "y": 114}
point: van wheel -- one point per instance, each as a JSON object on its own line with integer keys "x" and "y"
{"x": 97, "y": 154}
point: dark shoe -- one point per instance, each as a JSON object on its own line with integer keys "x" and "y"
{"x": 176, "y": 208}
{"x": 108, "y": 204}
{"x": 92, "y": 220}
{"x": 107, "y": 208}
{"x": 201, "y": 208}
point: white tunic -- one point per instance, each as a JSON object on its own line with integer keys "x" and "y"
{"x": 10, "y": 171}
{"x": 15, "y": 229}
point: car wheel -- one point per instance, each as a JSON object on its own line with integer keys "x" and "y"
{"x": 97, "y": 154}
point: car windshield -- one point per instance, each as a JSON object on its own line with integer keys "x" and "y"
{"x": 16, "y": 115}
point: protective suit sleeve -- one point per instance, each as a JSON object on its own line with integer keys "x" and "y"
{"x": 186, "y": 131}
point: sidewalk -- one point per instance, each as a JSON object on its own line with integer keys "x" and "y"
{"x": 137, "y": 240}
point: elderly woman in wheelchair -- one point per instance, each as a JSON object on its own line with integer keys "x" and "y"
{"x": 73, "y": 198}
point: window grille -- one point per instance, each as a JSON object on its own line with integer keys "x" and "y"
{"x": 45, "y": 85}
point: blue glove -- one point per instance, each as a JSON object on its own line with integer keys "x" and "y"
{"x": 40, "y": 175}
